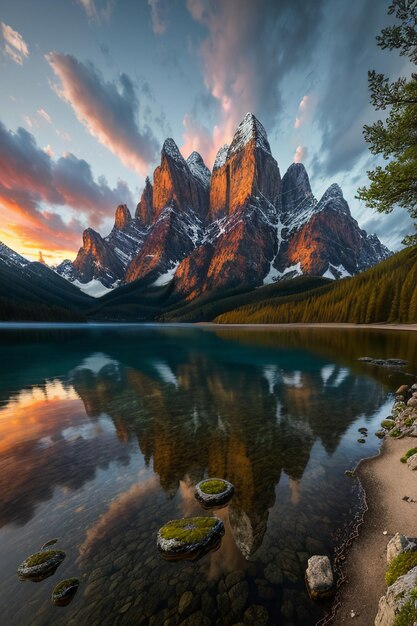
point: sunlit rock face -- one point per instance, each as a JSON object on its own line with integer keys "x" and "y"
{"x": 175, "y": 183}
{"x": 322, "y": 237}
{"x": 237, "y": 226}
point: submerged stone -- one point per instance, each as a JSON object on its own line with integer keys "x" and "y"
{"x": 319, "y": 577}
{"x": 64, "y": 591}
{"x": 40, "y": 565}
{"x": 380, "y": 434}
{"x": 189, "y": 538}
{"x": 361, "y": 440}
{"x": 214, "y": 492}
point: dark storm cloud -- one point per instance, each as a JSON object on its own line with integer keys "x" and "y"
{"x": 32, "y": 184}
{"x": 109, "y": 110}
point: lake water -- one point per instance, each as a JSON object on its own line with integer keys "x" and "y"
{"x": 105, "y": 431}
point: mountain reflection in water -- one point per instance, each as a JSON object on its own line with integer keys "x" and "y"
{"x": 104, "y": 433}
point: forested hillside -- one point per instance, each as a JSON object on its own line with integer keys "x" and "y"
{"x": 384, "y": 293}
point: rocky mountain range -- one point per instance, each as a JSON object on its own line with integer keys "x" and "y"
{"x": 241, "y": 225}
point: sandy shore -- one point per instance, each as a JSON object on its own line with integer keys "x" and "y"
{"x": 386, "y": 481}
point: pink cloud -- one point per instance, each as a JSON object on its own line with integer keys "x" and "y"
{"x": 158, "y": 16}
{"x": 14, "y": 46}
{"x": 38, "y": 192}
{"x": 44, "y": 115}
{"x": 107, "y": 109}
{"x": 300, "y": 153}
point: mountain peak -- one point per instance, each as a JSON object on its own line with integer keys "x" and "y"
{"x": 199, "y": 169}
{"x": 171, "y": 149}
{"x": 249, "y": 129}
{"x": 333, "y": 197}
{"x": 221, "y": 157}
{"x": 122, "y": 217}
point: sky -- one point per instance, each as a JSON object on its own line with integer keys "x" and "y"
{"x": 90, "y": 89}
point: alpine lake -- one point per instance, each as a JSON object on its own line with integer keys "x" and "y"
{"x": 105, "y": 431}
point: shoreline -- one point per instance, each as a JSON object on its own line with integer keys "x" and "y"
{"x": 385, "y": 481}
{"x": 209, "y": 325}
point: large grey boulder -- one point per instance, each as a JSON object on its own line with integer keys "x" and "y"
{"x": 319, "y": 577}
{"x": 398, "y": 544}
{"x": 395, "y": 597}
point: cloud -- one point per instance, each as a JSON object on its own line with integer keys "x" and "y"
{"x": 14, "y": 46}
{"x": 248, "y": 51}
{"x": 302, "y": 108}
{"x": 107, "y": 109}
{"x": 98, "y": 10}
{"x": 159, "y": 12}
{"x": 44, "y": 115}
{"x": 300, "y": 154}
{"x": 343, "y": 99}
{"x": 36, "y": 191}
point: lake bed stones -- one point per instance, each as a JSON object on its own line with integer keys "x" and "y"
{"x": 40, "y": 565}
{"x": 65, "y": 591}
{"x": 319, "y": 577}
{"x": 214, "y": 492}
{"x": 189, "y": 538}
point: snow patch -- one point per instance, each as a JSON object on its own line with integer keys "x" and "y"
{"x": 336, "y": 272}
{"x": 165, "y": 278}
{"x": 94, "y": 288}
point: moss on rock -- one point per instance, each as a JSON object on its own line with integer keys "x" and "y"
{"x": 64, "y": 591}
{"x": 407, "y": 455}
{"x": 214, "y": 485}
{"x": 189, "y": 538}
{"x": 408, "y": 612}
{"x": 40, "y": 565}
{"x": 214, "y": 492}
{"x": 400, "y": 566}
{"x": 387, "y": 423}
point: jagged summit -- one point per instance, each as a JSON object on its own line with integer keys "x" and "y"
{"x": 199, "y": 169}
{"x": 333, "y": 197}
{"x": 249, "y": 129}
{"x": 171, "y": 149}
{"x": 122, "y": 217}
{"x": 221, "y": 157}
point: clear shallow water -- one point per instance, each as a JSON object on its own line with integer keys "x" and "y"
{"x": 104, "y": 432}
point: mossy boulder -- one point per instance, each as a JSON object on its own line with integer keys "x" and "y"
{"x": 40, "y": 565}
{"x": 64, "y": 591}
{"x": 388, "y": 423}
{"x": 189, "y": 538}
{"x": 407, "y": 455}
{"x": 214, "y": 492}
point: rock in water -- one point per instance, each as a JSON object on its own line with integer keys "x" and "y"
{"x": 399, "y": 544}
{"x": 319, "y": 577}
{"x": 64, "y": 591}
{"x": 395, "y": 597}
{"x": 40, "y": 565}
{"x": 189, "y": 538}
{"x": 214, "y": 492}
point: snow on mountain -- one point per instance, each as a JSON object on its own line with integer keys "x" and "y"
{"x": 221, "y": 157}
{"x": 199, "y": 169}
{"x": 249, "y": 129}
{"x": 11, "y": 258}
